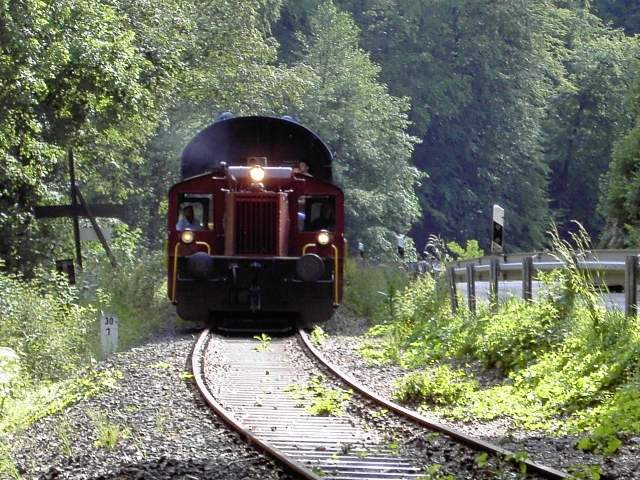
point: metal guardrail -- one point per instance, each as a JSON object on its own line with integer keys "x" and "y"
{"x": 615, "y": 269}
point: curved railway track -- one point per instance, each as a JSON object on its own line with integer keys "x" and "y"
{"x": 247, "y": 388}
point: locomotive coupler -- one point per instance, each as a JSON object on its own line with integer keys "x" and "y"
{"x": 255, "y": 298}
{"x": 255, "y": 292}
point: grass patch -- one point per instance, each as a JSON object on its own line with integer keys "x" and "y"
{"x": 136, "y": 291}
{"x": 318, "y": 398}
{"x": 108, "y": 434}
{"x": 318, "y": 336}
{"x": 264, "y": 344}
{"x": 33, "y": 403}
{"x": 439, "y": 385}
{"x": 49, "y": 333}
{"x": 8, "y": 469}
{"x": 368, "y": 287}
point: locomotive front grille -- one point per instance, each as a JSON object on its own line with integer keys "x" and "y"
{"x": 256, "y": 226}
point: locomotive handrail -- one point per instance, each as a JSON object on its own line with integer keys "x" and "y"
{"x": 175, "y": 272}
{"x": 611, "y": 268}
{"x": 308, "y": 245}
{"x": 206, "y": 244}
{"x": 336, "y": 266}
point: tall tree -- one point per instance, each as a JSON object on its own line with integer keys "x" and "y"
{"x": 70, "y": 76}
{"x": 478, "y": 73}
{"x": 125, "y": 83}
{"x": 620, "y": 202}
{"x": 586, "y": 116}
{"x": 620, "y": 13}
{"x": 364, "y": 125}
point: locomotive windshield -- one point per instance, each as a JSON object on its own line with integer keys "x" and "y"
{"x": 316, "y": 212}
{"x": 195, "y": 212}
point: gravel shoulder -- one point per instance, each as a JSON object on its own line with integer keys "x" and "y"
{"x": 164, "y": 428}
{"x": 345, "y": 334}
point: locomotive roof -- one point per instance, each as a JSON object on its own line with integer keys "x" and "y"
{"x": 284, "y": 142}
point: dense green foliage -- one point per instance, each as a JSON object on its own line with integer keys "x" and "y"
{"x": 127, "y": 84}
{"x": 585, "y": 118}
{"x": 621, "y": 204}
{"x": 560, "y": 364}
{"x": 70, "y": 76}
{"x": 621, "y": 13}
{"x": 365, "y": 127}
{"x": 516, "y": 103}
{"x": 43, "y": 322}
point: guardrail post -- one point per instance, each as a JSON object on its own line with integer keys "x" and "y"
{"x": 631, "y": 286}
{"x": 494, "y": 273}
{"x": 453, "y": 292}
{"x": 527, "y": 276}
{"x": 471, "y": 287}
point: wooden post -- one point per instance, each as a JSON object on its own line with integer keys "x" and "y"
{"x": 453, "y": 293}
{"x": 97, "y": 228}
{"x": 471, "y": 287}
{"x": 631, "y": 286}
{"x": 74, "y": 208}
{"x": 494, "y": 272}
{"x": 527, "y": 276}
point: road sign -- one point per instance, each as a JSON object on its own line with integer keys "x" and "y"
{"x": 497, "y": 235}
{"x": 87, "y": 233}
{"x": 109, "y": 333}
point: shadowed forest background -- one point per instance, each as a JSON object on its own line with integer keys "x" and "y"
{"x": 435, "y": 109}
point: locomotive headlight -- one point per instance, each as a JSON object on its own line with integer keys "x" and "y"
{"x": 187, "y": 236}
{"x": 323, "y": 237}
{"x": 257, "y": 173}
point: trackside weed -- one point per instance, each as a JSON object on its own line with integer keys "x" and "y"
{"x": 265, "y": 343}
{"x": 319, "y": 398}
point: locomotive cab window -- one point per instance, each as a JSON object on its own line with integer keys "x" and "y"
{"x": 316, "y": 212}
{"x": 195, "y": 212}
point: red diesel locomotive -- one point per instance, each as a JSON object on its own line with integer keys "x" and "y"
{"x": 256, "y": 227}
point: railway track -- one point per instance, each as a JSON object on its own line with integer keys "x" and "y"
{"x": 252, "y": 386}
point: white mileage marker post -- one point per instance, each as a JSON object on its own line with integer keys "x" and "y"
{"x": 109, "y": 333}
{"x": 497, "y": 234}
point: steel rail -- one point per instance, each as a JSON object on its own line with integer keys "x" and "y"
{"x": 475, "y": 443}
{"x": 251, "y": 439}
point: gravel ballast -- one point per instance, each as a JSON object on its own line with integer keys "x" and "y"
{"x": 166, "y": 430}
{"x": 345, "y": 334}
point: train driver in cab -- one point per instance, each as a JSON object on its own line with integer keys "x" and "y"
{"x": 187, "y": 221}
{"x": 326, "y": 220}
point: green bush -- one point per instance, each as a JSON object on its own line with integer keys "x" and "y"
{"x": 135, "y": 291}
{"x": 367, "y": 287}
{"x": 438, "y": 385}
{"x": 471, "y": 250}
{"x": 564, "y": 364}
{"x": 44, "y": 323}
{"x": 414, "y": 325}
{"x": 517, "y": 333}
